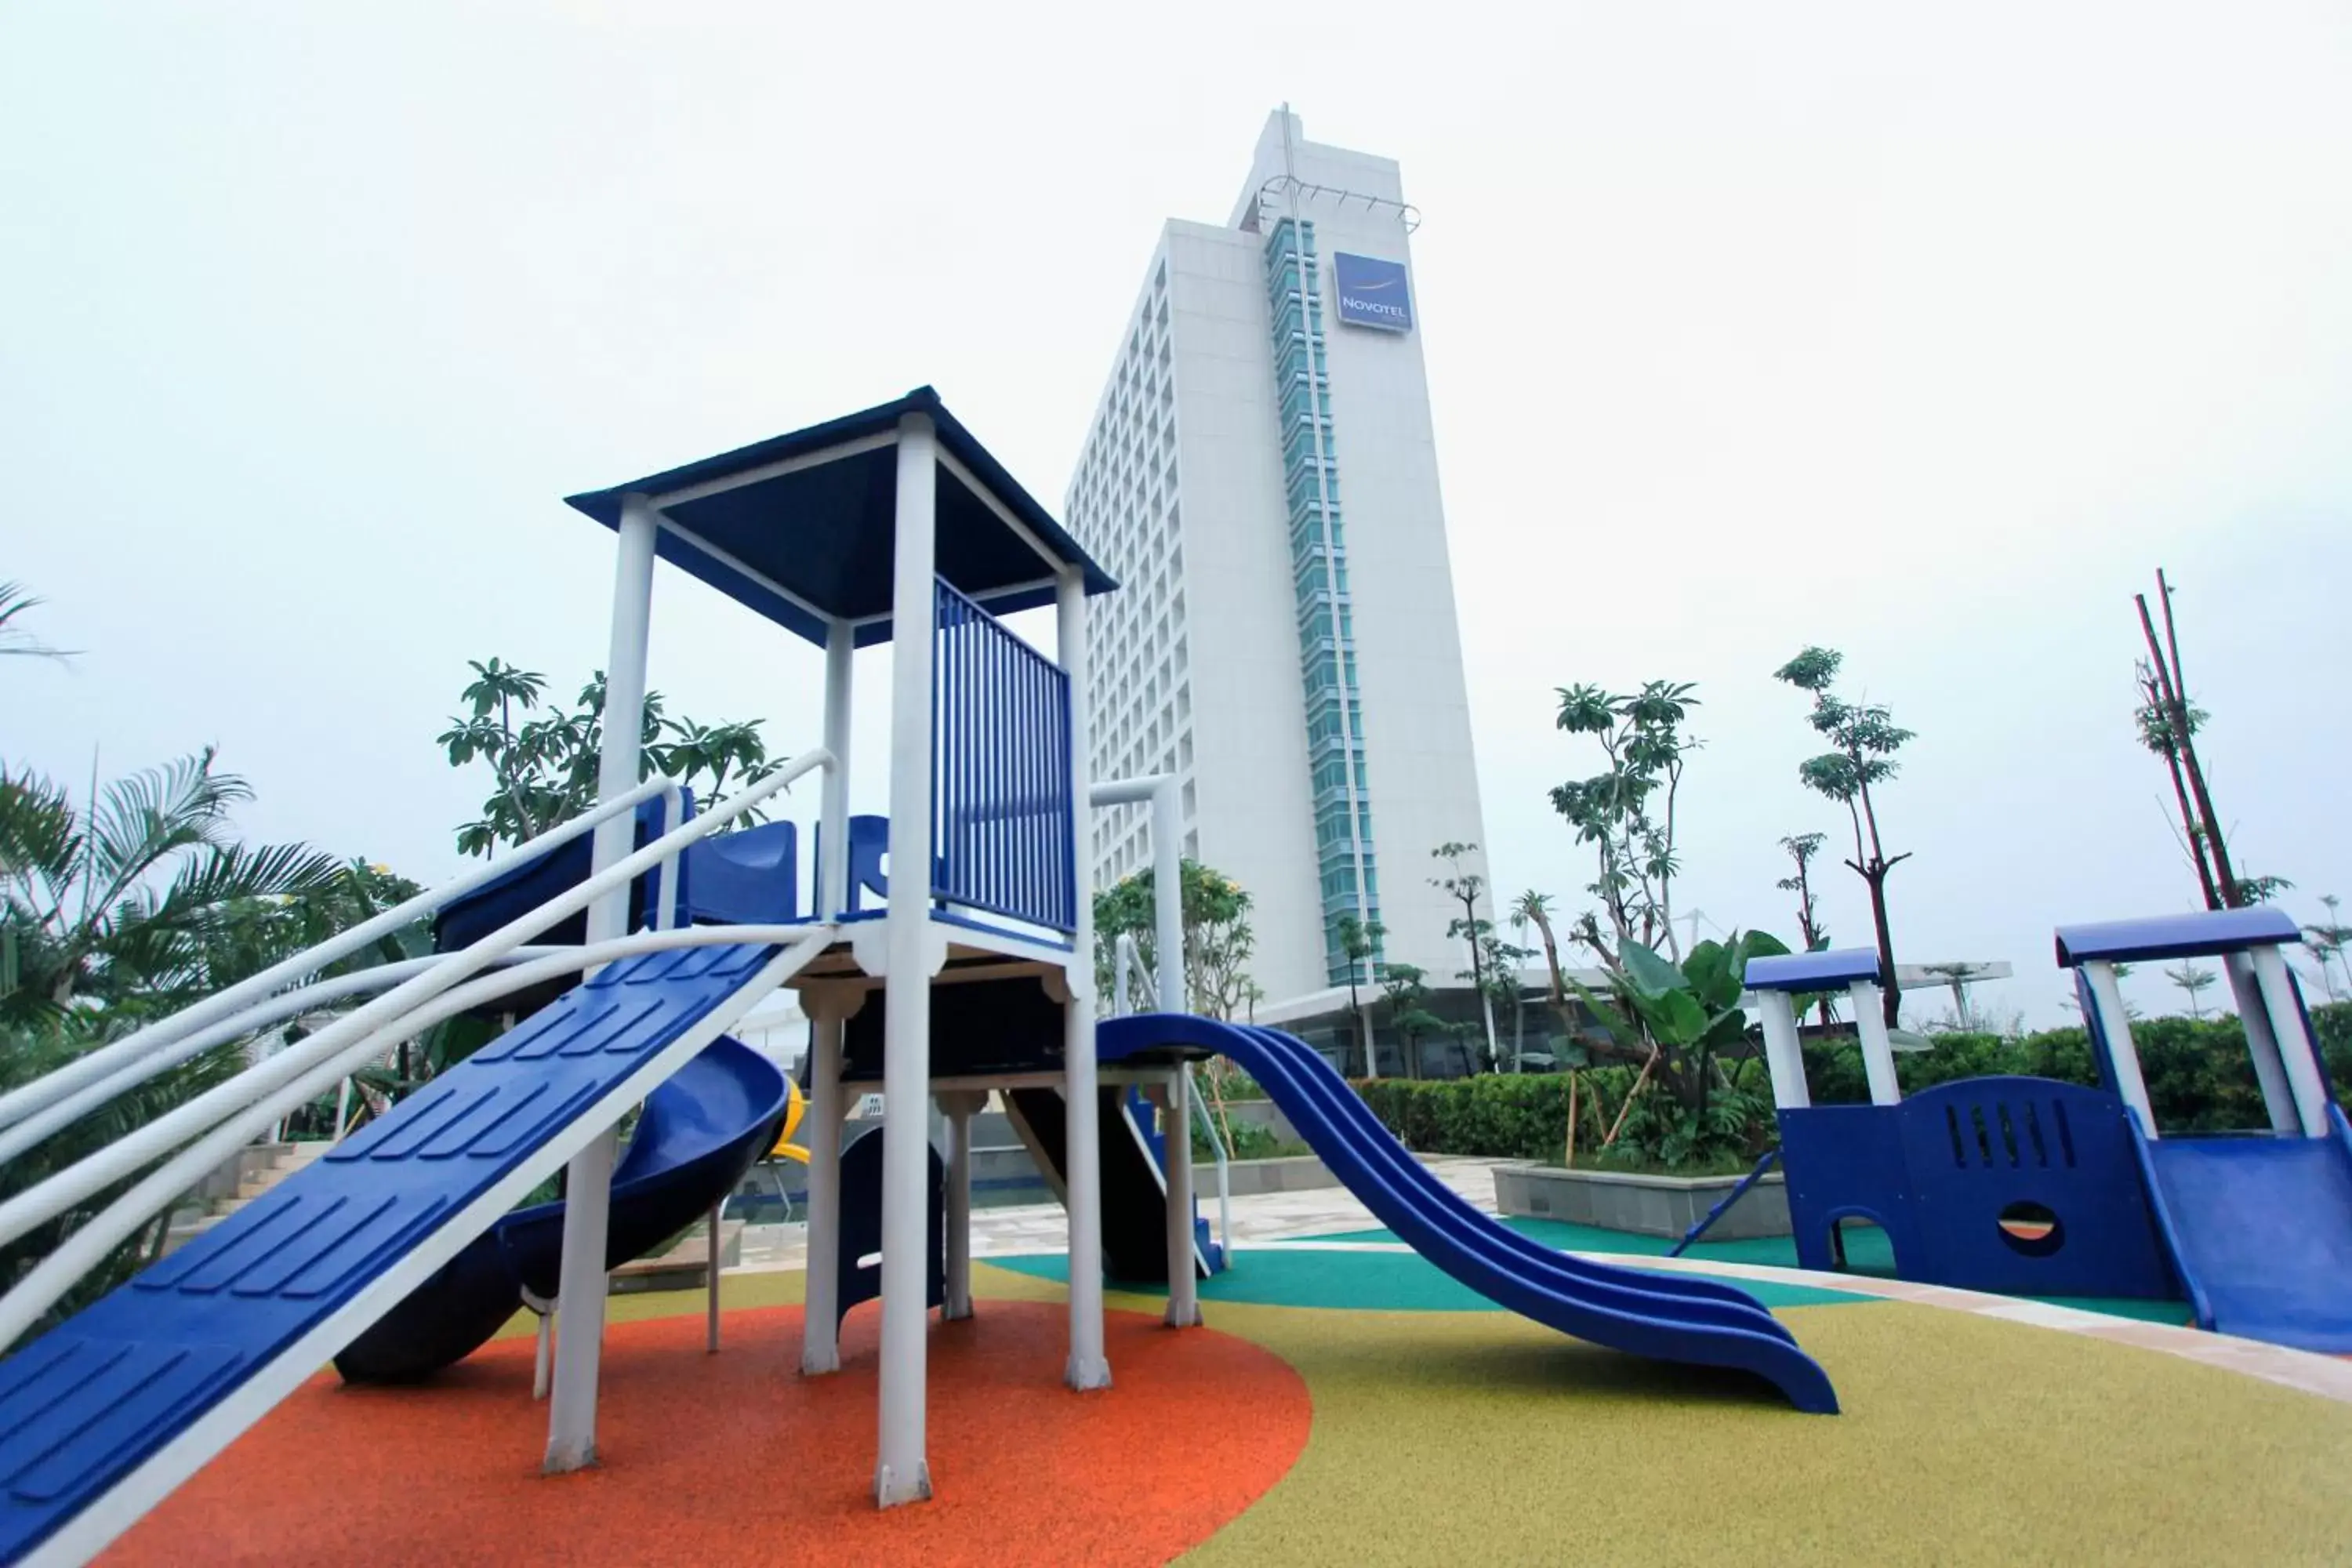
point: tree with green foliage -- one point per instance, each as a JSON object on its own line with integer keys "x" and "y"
{"x": 1359, "y": 945}
{"x": 2193, "y": 983}
{"x": 1466, "y": 887}
{"x": 1802, "y": 848}
{"x": 1864, "y": 739}
{"x": 2326, "y": 940}
{"x": 544, "y": 758}
{"x": 1404, "y": 987}
{"x": 1218, "y": 941}
{"x": 1627, "y": 812}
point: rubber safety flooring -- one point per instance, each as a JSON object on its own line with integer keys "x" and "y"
{"x": 1342, "y": 1410}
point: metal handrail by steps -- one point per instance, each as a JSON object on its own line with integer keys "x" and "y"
{"x": 236, "y": 1110}
{"x": 1131, "y": 970}
{"x": 140, "y": 1056}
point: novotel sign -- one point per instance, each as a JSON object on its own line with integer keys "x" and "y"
{"x": 1372, "y": 293}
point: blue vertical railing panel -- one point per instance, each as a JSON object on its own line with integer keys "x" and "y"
{"x": 1004, "y": 832}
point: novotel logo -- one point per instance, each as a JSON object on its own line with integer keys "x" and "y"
{"x": 1372, "y": 293}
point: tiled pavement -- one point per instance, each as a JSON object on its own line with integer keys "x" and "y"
{"x": 1287, "y": 1216}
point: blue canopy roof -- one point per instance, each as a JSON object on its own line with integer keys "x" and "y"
{"x": 2204, "y": 934}
{"x": 801, "y": 527}
{"x": 1830, "y": 971}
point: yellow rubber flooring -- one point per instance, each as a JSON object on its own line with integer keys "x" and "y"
{"x": 1479, "y": 1437}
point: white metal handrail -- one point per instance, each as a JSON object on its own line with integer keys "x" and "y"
{"x": 107, "y": 1061}
{"x": 45, "y": 1201}
{"x": 46, "y": 1282}
{"x": 271, "y": 1010}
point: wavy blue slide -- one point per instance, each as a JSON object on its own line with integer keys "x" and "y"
{"x": 1669, "y": 1317}
{"x": 699, "y": 1134}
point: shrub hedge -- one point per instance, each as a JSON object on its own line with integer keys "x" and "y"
{"x": 2200, "y": 1079}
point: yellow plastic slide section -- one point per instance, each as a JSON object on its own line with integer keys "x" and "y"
{"x": 794, "y": 1109}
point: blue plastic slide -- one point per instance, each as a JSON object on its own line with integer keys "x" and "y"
{"x": 112, "y": 1408}
{"x": 1670, "y": 1317}
{"x": 2260, "y": 1232}
{"x": 699, "y": 1134}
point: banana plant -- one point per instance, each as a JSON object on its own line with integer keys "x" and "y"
{"x": 1675, "y": 1018}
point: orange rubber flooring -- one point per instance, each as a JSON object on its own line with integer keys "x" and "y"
{"x": 737, "y": 1459}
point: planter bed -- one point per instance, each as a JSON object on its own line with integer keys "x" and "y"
{"x": 1647, "y": 1205}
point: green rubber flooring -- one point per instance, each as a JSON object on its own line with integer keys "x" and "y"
{"x": 1868, "y": 1253}
{"x": 1277, "y": 1276}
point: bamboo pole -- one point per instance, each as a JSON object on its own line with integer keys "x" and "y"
{"x": 1569, "y": 1160}
{"x": 1631, "y": 1095}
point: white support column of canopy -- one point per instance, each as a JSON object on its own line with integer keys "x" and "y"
{"x": 901, "y": 1472}
{"x": 588, "y": 1182}
{"x": 1082, "y": 1134}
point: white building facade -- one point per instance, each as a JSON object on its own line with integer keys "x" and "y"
{"x": 1262, "y": 477}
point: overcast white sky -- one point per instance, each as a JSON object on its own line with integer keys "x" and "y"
{"x": 1925, "y": 333}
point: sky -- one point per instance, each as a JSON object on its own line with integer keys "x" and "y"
{"x": 1927, "y": 333}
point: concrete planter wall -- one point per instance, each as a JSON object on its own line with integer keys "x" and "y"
{"x": 1647, "y": 1205}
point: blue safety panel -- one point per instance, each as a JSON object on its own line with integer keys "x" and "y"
{"x": 2262, "y": 1230}
{"x": 2208, "y": 933}
{"x": 87, "y": 1403}
{"x": 1671, "y": 1319}
{"x": 1845, "y": 1163}
{"x": 817, "y": 540}
{"x": 1834, "y": 970}
{"x": 2019, "y": 1185}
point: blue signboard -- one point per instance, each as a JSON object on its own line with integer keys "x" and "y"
{"x": 1372, "y": 293}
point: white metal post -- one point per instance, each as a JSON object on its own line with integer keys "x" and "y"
{"x": 1082, "y": 1131}
{"x": 1176, "y": 1141}
{"x": 2270, "y": 1069}
{"x": 820, "y": 1346}
{"x": 710, "y": 1283}
{"x": 588, "y": 1182}
{"x": 958, "y": 1107}
{"x": 1784, "y": 1055}
{"x": 1168, "y": 939}
{"x": 901, "y": 1473}
{"x": 832, "y": 895}
{"x": 1168, "y": 879}
{"x": 1878, "y": 1050}
{"x": 2294, "y": 1043}
{"x": 2123, "y": 1056}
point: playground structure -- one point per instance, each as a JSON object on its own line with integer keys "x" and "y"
{"x": 2031, "y": 1186}
{"x": 891, "y": 525}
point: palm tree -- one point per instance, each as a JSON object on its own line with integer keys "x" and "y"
{"x": 118, "y": 911}
{"x": 117, "y": 908}
{"x": 15, "y": 640}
